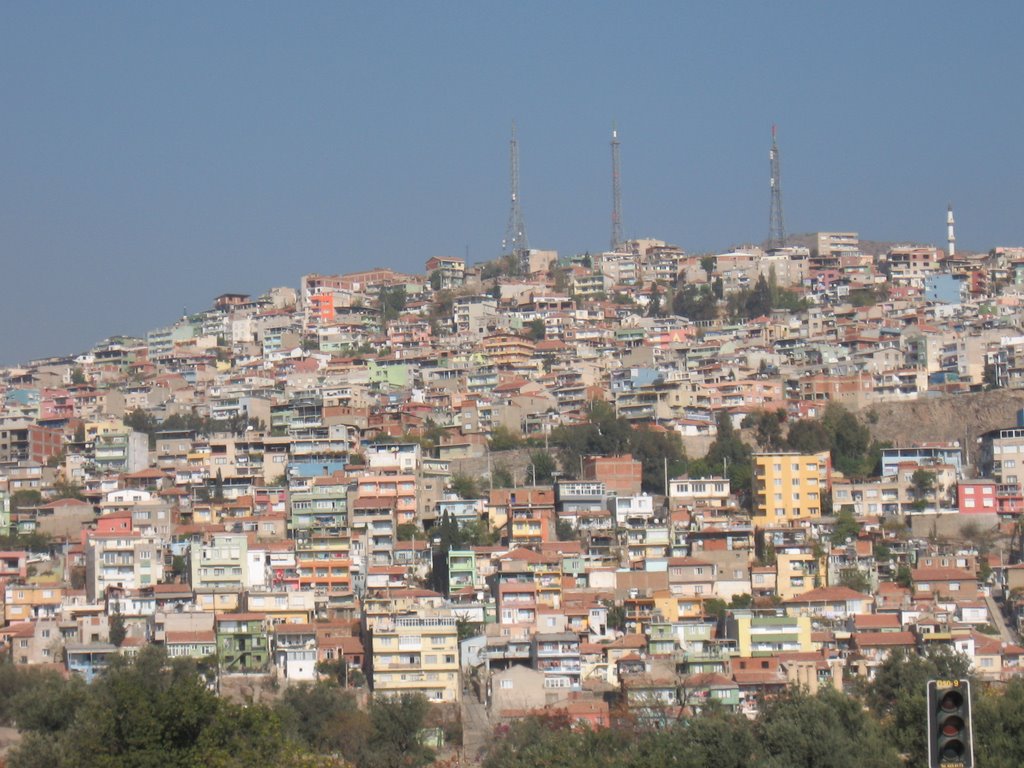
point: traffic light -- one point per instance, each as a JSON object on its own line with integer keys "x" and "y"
{"x": 950, "y": 743}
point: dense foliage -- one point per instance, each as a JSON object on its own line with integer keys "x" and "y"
{"x": 607, "y": 435}
{"x": 882, "y": 726}
{"x": 148, "y": 712}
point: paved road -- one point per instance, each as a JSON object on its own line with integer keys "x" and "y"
{"x": 476, "y": 728}
{"x": 995, "y": 610}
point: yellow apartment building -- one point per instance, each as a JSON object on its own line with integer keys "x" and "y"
{"x": 416, "y": 654}
{"x": 789, "y": 487}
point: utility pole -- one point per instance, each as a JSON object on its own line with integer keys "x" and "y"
{"x": 515, "y": 235}
{"x": 776, "y": 229}
{"x": 616, "y": 193}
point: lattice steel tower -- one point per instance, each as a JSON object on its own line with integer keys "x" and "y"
{"x": 616, "y": 193}
{"x": 515, "y": 235}
{"x": 776, "y": 229}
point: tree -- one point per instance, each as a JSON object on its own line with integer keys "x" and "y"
{"x": 465, "y": 487}
{"x": 534, "y": 330}
{"x": 846, "y": 526}
{"x": 654, "y": 305}
{"x": 501, "y": 477}
{"x": 77, "y": 376}
{"x": 544, "y": 467}
{"x": 829, "y": 729}
{"x": 218, "y": 487}
{"x": 707, "y": 263}
{"x": 145, "y": 712}
{"x": 808, "y": 436}
{"x": 118, "y": 631}
{"x": 659, "y": 452}
{"x": 392, "y": 301}
{"x": 697, "y": 303}
{"x": 767, "y": 427}
{"x": 923, "y": 485}
{"x": 324, "y": 718}
{"x": 729, "y": 455}
{"x": 998, "y": 719}
{"x": 504, "y": 439}
{"x": 854, "y": 453}
{"x": 408, "y": 532}
{"x": 395, "y": 738}
{"x": 65, "y": 489}
{"x": 141, "y": 421}
{"x": 855, "y": 580}
{"x": 757, "y": 302}
{"x": 564, "y": 531}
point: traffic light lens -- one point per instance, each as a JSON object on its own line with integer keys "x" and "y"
{"x": 952, "y": 701}
{"x": 952, "y": 751}
{"x": 952, "y": 726}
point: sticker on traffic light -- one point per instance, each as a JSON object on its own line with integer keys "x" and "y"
{"x": 950, "y": 743}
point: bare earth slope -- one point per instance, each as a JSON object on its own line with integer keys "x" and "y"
{"x": 944, "y": 418}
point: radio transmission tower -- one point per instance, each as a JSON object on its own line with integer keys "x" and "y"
{"x": 616, "y": 193}
{"x": 776, "y": 229}
{"x": 515, "y": 235}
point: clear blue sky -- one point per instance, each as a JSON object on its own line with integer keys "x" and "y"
{"x": 155, "y": 155}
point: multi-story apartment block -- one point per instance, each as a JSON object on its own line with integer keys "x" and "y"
{"x": 320, "y": 528}
{"x": 925, "y": 455}
{"x": 788, "y": 487}
{"x": 29, "y": 442}
{"x": 696, "y": 493}
{"x": 416, "y": 654}
{"x": 462, "y": 571}
{"x": 557, "y": 655}
{"x": 220, "y": 563}
{"x": 446, "y": 272}
{"x": 767, "y": 633}
{"x": 399, "y": 489}
{"x": 125, "y": 560}
{"x": 121, "y": 451}
{"x": 243, "y": 643}
{"x": 31, "y": 602}
{"x": 1001, "y": 455}
{"x": 832, "y": 247}
{"x": 910, "y": 265}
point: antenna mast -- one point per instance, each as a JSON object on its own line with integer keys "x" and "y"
{"x": 515, "y": 235}
{"x": 776, "y": 229}
{"x": 616, "y": 193}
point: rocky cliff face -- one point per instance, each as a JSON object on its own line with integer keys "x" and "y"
{"x": 944, "y": 418}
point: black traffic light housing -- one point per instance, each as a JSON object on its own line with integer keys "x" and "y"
{"x": 950, "y": 738}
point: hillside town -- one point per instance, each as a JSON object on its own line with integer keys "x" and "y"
{"x": 639, "y": 481}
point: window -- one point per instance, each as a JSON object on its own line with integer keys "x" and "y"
{"x": 954, "y": 586}
{"x": 506, "y": 685}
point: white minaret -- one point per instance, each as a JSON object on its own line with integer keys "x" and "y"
{"x": 949, "y": 231}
